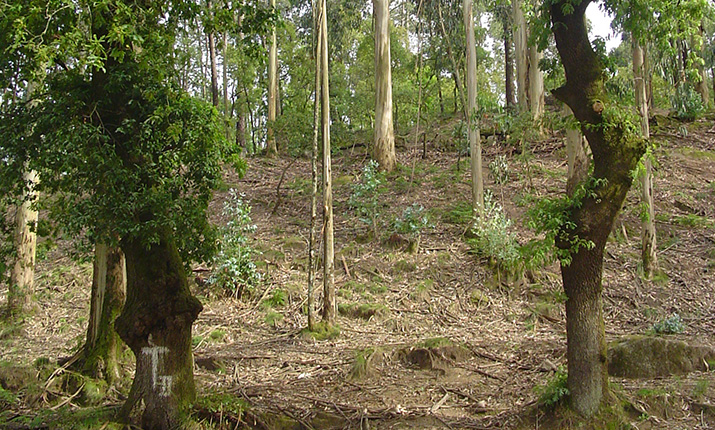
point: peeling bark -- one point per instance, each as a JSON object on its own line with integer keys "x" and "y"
{"x": 271, "y": 147}
{"x": 384, "y": 139}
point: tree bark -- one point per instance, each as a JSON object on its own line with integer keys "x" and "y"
{"x": 384, "y": 139}
{"x": 508, "y": 66}
{"x": 329, "y": 306}
{"x": 22, "y": 277}
{"x": 103, "y": 344}
{"x": 649, "y": 257}
{"x": 271, "y": 147}
{"x": 156, "y": 324}
{"x": 520, "y": 54}
{"x": 615, "y": 155}
{"x": 214, "y": 68}
{"x": 536, "y": 85}
{"x": 475, "y": 145}
{"x": 702, "y": 86}
{"x": 577, "y": 158}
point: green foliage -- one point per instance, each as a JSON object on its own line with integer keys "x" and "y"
{"x": 233, "y": 268}
{"x": 277, "y": 299}
{"x": 499, "y": 169}
{"x": 414, "y": 219}
{"x": 494, "y": 237}
{"x": 365, "y": 199}
{"x": 671, "y": 325}
{"x": 551, "y": 218}
{"x": 555, "y": 390}
{"x": 322, "y": 331}
{"x": 687, "y": 103}
{"x": 460, "y": 212}
{"x": 435, "y": 342}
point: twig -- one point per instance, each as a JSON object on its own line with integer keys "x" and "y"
{"x": 345, "y": 266}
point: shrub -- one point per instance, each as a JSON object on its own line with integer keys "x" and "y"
{"x": 687, "y": 103}
{"x": 365, "y": 198}
{"x": 671, "y": 325}
{"x": 493, "y": 237}
{"x": 554, "y": 391}
{"x": 499, "y": 169}
{"x": 233, "y": 269}
{"x": 414, "y": 219}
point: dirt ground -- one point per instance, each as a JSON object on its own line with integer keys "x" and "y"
{"x": 488, "y": 342}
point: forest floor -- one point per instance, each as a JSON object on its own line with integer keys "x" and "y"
{"x": 440, "y": 341}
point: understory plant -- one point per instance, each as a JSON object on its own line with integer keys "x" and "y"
{"x": 494, "y": 237}
{"x": 687, "y": 103}
{"x": 234, "y": 271}
{"x": 413, "y": 221}
{"x": 365, "y": 199}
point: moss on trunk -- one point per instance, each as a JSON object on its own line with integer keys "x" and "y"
{"x": 156, "y": 324}
{"x": 616, "y": 151}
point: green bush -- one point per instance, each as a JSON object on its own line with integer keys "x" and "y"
{"x": 493, "y": 236}
{"x": 671, "y": 325}
{"x": 365, "y": 199}
{"x": 554, "y": 391}
{"x": 233, "y": 268}
{"x": 499, "y": 169}
{"x": 414, "y": 219}
{"x": 687, "y": 103}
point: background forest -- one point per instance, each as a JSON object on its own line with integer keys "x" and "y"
{"x": 340, "y": 214}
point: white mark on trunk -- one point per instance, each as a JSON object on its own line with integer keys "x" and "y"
{"x": 164, "y": 381}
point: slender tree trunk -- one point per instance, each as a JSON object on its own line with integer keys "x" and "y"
{"x": 156, "y": 324}
{"x": 317, "y": 20}
{"x": 648, "y": 236}
{"x": 455, "y": 67}
{"x": 271, "y": 147}
{"x": 22, "y": 277}
{"x": 536, "y": 85}
{"x": 224, "y": 70}
{"x": 384, "y": 139}
{"x": 214, "y": 68}
{"x": 520, "y": 54}
{"x": 103, "y": 347}
{"x": 329, "y": 306}
{"x": 439, "y": 91}
{"x": 702, "y": 86}
{"x": 202, "y": 77}
{"x": 508, "y": 66}
{"x": 615, "y": 155}
{"x": 577, "y": 158}
{"x": 475, "y": 145}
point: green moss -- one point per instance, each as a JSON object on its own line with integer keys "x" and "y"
{"x": 218, "y": 334}
{"x": 364, "y": 310}
{"x": 435, "y": 342}
{"x": 459, "y": 213}
{"x": 272, "y": 318}
{"x": 697, "y": 154}
{"x": 322, "y": 331}
{"x": 403, "y": 266}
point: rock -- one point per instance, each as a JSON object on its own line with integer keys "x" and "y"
{"x": 650, "y": 357}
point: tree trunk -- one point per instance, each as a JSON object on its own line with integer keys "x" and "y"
{"x": 226, "y": 112}
{"x": 455, "y": 67}
{"x": 156, "y": 324}
{"x": 536, "y": 85}
{"x": 648, "y": 237}
{"x": 108, "y": 294}
{"x": 329, "y": 306}
{"x": 508, "y": 67}
{"x": 520, "y": 54}
{"x": 702, "y": 86}
{"x": 384, "y": 140}
{"x": 214, "y": 68}
{"x": 22, "y": 277}
{"x": 317, "y": 23}
{"x": 577, "y": 158}
{"x": 475, "y": 145}
{"x": 615, "y": 155}
{"x": 271, "y": 147}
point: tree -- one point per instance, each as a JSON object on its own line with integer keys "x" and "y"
{"x": 103, "y": 346}
{"x": 384, "y": 135}
{"x": 589, "y": 216}
{"x": 271, "y": 147}
{"x": 329, "y": 305}
{"x": 22, "y": 277}
{"x": 472, "y": 119}
{"x": 131, "y": 160}
{"x": 530, "y": 79}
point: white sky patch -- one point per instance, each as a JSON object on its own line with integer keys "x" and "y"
{"x": 601, "y": 26}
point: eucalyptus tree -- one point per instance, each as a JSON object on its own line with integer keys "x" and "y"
{"x": 530, "y": 79}
{"x": 271, "y": 147}
{"x": 472, "y": 114}
{"x": 384, "y": 135}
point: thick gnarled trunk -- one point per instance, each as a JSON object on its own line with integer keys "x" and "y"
{"x": 156, "y": 324}
{"x": 384, "y": 140}
{"x": 615, "y": 155}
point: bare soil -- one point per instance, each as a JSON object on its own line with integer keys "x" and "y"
{"x": 504, "y": 338}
